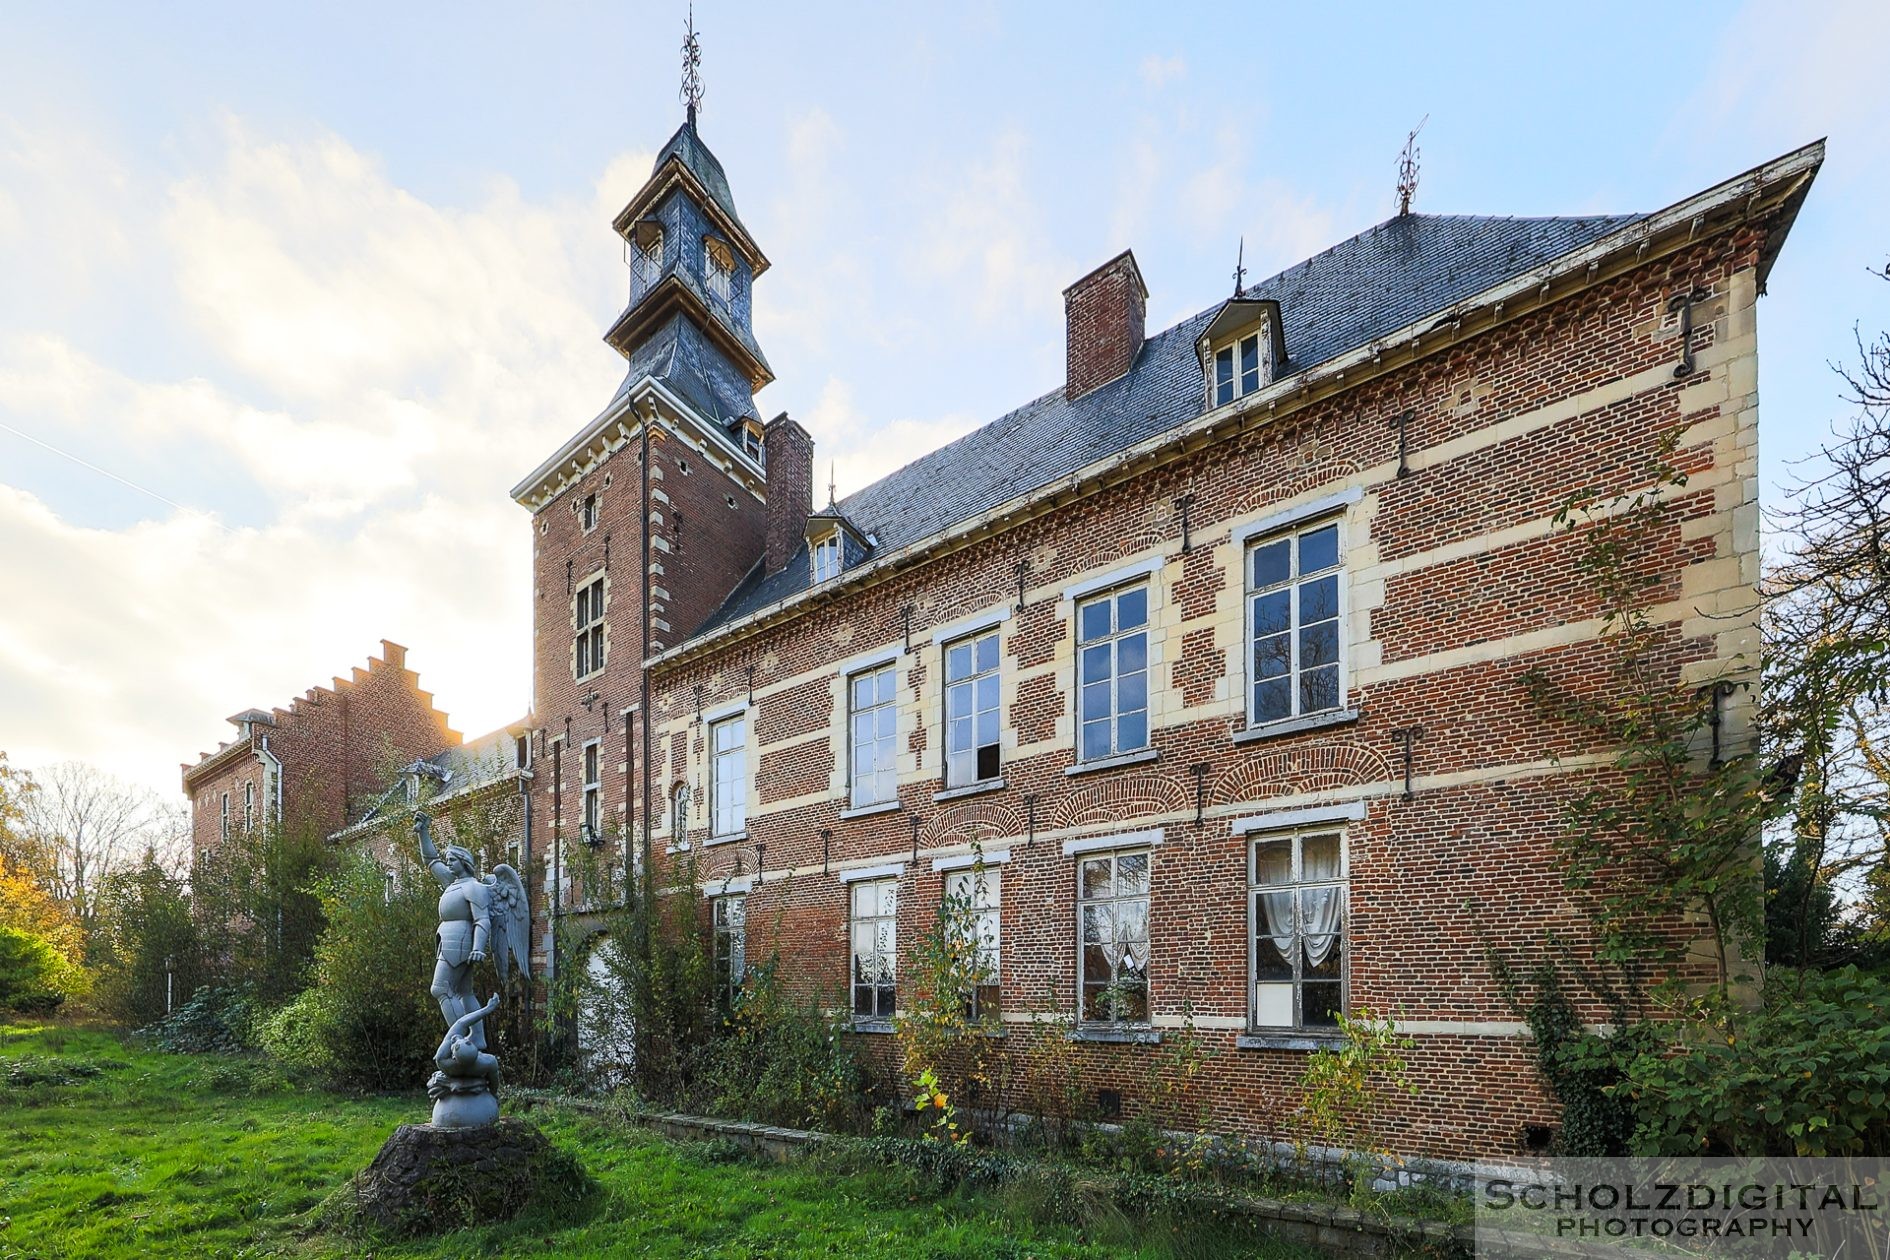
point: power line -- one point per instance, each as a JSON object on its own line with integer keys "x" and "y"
{"x": 106, "y": 472}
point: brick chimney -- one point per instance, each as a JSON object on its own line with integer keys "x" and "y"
{"x": 1104, "y": 315}
{"x": 789, "y": 452}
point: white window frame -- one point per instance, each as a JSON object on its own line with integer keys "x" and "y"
{"x": 1298, "y": 883}
{"x": 679, "y": 814}
{"x": 728, "y": 776}
{"x": 716, "y": 278}
{"x": 884, "y": 785}
{"x": 824, "y": 555}
{"x": 1114, "y": 858}
{"x": 587, "y": 615}
{"x": 980, "y": 888}
{"x": 728, "y": 919}
{"x": 225, "y": 830}
{"x": 883, "y": 923}
{"x": 969, "y": 686}
{"x": 592, "y": 803}
{"x": 1114, "y": 639}
{"x": 587, "y": 512}
{"x": 1292, "y": 533}
{"x": 1239, "y": 383}
{"x": 646, "y": 254}
{"x": 249, "y": 805}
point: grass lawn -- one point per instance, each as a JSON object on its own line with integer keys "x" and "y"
{"x": 107, "y": 1150}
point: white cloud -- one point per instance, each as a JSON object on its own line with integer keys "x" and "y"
{"x": 986, "y": 247}
{"x": 1158, "y": 72}
{"x": 858, "y": 450}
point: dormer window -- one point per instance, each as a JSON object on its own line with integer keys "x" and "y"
{"x": 826, "y": 552}
{"x": 1241, "y": 350}
{"x": 718, "y": 268}
{"x": 750, "y": 434}
{"x": 1237, "y": 369}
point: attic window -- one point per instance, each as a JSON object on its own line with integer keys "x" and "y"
{"x": 826, "y": 554}
{"x": 718, "y": 267}
{"x": 1236, "y": 369}
{"x": 751, "y": 438}
{"x": 646, "y": 252}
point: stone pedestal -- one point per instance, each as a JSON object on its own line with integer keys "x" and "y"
{"x": 428, "y": 1179}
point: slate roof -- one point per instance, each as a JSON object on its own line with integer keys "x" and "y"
{"x": 704, "y": 165}
{"x": 1373, "y": 284}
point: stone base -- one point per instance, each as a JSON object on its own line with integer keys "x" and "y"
{"x": 428, "y": 1179}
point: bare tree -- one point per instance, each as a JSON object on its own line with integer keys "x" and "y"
{"x": 81, "y": 824}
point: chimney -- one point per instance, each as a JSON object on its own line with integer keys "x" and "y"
{"x": 789, "y": 454}
{"x": 1104, "y": 315}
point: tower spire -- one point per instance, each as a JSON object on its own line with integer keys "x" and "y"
{"x": 691, "y": 67}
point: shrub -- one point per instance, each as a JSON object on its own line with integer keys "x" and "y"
{"x": 366, "y": 1021}
{"x": 146, "y": 944}
{"x": 34, "y": 977}
{"x": 216, "y": 1020}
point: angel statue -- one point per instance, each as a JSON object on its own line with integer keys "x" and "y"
{"x": 479, "y": 917}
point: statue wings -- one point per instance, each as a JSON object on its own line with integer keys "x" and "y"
{"x": 511, "y": 922}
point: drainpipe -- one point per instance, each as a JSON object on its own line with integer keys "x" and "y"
{"x": 272, "y": 778}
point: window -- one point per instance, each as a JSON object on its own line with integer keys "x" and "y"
{"x": 718, "y": 268}
{"x": 522, "y": 752}
{"x": 1112, "y": 673}
{"x": 587, "y": 513}
{"x": 1236, "y": 370}
{"x": 729, "y": 915}
{"x": 1112, "y": 965}
{"x": 972, "y": 897}
{"x": 1298, "y": 889}
{"x": 224, "y": 830}
{"x": 1293, "y": 623}
{"x": 728, "y": 776}
{"x": 593, "y": 796}
{"x": 875, "y": 947}
{"x": 646, "y": 258}
{"x": 752, "y": 443}
{"x": 590, "y": 627}
{"x": 679, "y": 827}
{"x": 874, "y": 714}
{"x": 249, "y": 807}
{"x": 971, "y": 710}
{"x": 826, "y": 557}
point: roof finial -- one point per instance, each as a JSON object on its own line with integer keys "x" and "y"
{"x": 830, "y": 483}
{"x": 1408, "y": 168}
{"x": 692, "y": 67}
{"x": 1240, "y": 269}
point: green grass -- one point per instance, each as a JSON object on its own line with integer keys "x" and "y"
{"x": 108, "y": 1150}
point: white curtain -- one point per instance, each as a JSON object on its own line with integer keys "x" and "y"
{"x": 1321, "y": 908}
{"x": 1279, "y": 924}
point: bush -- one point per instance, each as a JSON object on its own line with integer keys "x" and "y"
{"x": 34, "y": 977}
{"x": 1809, "y": 1074}
{"x": 216, "y": 1020}
{"x": 366, "y": 1021}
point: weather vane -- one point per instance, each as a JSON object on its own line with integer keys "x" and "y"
{"x": 1408, "y": 168}
{"x": 1240, "y": 269}
{"x": 692, "y": 68}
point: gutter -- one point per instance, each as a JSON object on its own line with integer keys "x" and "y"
{"x": 1503, "y": 302}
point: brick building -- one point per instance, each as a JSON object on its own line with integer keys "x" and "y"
{"x": 314, "y": 762}
{"x": 1213, "y": 652}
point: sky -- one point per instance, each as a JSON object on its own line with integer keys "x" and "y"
{"x": 290, "y": 296}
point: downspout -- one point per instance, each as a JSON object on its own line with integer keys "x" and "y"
{"x": 643, "y": 624}
{"x": 272, "y": 777}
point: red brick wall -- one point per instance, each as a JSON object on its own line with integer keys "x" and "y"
{"x": 1459, "y": 587}
{"x": 1103, "y": 317}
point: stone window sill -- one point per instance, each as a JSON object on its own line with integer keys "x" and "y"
{"x": 1118, "y": 1036}
{"x": 1288, "y": 1039}
{"x": 671, "y": 850}
{"x": 1293, "y": 726}
{"x": 970, "y": 789}
{"x": 1139, "y": 757}
{"x": 867, "y": 811}
{"x": 875, "y": 1026}
{"x": 732, "y": 837}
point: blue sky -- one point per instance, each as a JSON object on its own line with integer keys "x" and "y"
{"x": 329, "y": 279}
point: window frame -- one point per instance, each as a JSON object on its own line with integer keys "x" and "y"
{"x": 886, "y": 947}
{"x": 995, "y": 672}
{"x": 854, "y": 744}
{"x": 1298, "y": 882}
{"x": 1114, "y": 639}
{"x": 587, "y": 512}
{"x": 1114, "y": 857}
{"x": 1238, "y": 371}
{"x": 589, "y": 640}
{"x": 224, "y": 833}
{"x": 983, "y": 896}
{"x": 718, "y": 279}
{"x": 1294, "y": 531}
{"x": 729, "y": 943}
{"x": 591, "y": 800}
{"x": 737, "y": 802}
{"x": 825, "y": 557}
{"x": 249, "y": 805}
